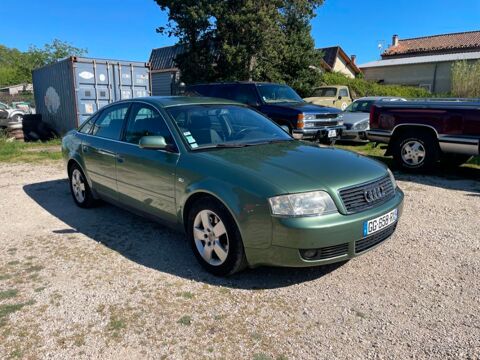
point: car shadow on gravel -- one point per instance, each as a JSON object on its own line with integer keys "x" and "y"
{"x": 152, "y": 245}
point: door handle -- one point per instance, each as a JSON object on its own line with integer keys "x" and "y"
{"x": 85, "y": 148}
{"x": 106, "y": 152}
{"x": 120, "y": 159}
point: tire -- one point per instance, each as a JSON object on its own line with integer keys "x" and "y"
{"x": 415, "y": 151}
{"x": 16, "y": 118}
{"x": 224, "y": 254}
{"x": 453, "y": 160}
{"x": 79, "y": 188}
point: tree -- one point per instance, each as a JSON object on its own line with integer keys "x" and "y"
{"x": 16, "y": 66}
{"x": 263, "y": 40}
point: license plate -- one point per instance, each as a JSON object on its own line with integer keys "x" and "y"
{"x": 332, "y": 133}
{"x": 379, "y": 223}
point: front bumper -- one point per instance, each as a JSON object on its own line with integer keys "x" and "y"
{"x": 318, "y": 134}
{"x": 340, "y": 236}
{"x": 354, "y": 135}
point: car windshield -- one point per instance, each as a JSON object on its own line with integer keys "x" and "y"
{"x": 325, "y": 92}
{"x": 272, "y": 93}
{"x": 363, "y": 106}
{"x": 219, "y": 126}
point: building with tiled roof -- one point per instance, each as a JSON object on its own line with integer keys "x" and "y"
{"x": 424, "y": 61}
{"x": 335, "y": 59}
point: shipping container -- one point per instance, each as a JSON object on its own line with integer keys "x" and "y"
{"x": 69, "y": 91}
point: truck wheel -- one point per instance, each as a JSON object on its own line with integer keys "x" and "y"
{"x": 454, "y": 160}
{"x": 415, "y": 151}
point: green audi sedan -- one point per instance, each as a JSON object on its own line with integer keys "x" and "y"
{"x": 243, "y": 190}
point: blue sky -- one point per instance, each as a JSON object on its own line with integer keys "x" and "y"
{"x": 125, "y": 29}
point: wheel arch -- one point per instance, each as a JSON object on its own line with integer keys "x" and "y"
{"x": 401, "y": 129}
{"x": 196, "y": 196}
{"x": 72, "y": 161}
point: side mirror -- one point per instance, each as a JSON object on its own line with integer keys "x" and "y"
{"x": 339, "y": 97}
{"x": 152, "y": 142}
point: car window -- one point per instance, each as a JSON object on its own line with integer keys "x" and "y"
{"x": 343, "y": 93}
{"x": 245, "y": 94}
{"x": 204, "y": 126}
{"x": 274, "y": 93}
{"x": 87, "y": 126}
{"x": 360, "y": 106}
{"x": 325, "y": 92}
{"x": 110, "y": 122}
{"x": 144, "y": 120}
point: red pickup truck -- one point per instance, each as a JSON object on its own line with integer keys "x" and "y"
{"x": 420, "y": 133}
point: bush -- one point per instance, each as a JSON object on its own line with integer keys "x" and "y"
{"x": 466, "y": 79}
{"x": 361, "y": 87}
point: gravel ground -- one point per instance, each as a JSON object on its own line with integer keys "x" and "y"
{"x": 107, "y": 284}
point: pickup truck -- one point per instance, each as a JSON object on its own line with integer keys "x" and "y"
{"x": 333, "y": 95}
{"x": 281, "y": 104}
{"x": 420, "y": 133}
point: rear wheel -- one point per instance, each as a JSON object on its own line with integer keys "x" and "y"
{"x": 82, "y": 195}
{"x": 454, "y": 160}
{"x": 415, "y": 151}
{"x": 214, "y": 238}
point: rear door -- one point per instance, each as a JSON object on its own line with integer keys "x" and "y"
{"x": 145, "y": 177}
{"x": 99, "y": 149}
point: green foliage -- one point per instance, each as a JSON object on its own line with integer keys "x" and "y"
{"x": 466, "y": 79}
{"x": 361, "y": 87}
{"x": 16, "y": 66}
{"x": 263, "y": 40}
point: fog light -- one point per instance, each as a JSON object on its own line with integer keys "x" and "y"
{"x": 309, "y": 254}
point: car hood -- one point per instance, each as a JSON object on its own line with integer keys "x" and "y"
{"x": 304, "y": 107}
{"x": 296, "y": 166}
{"x": 354, "y": 117}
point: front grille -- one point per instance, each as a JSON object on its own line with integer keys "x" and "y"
{"x": 355, "y": 200}
{"x": 326, "y": 116}
{"x": 327, "y": 252}
{"x": 326, "y": 123}
{"x": 374, "y": 239}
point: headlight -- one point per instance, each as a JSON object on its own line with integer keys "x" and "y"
{"x": 361, "y": 125}
{"x": 309, "y": 117}
{"x": 303, "y": 204}
{"x": 392, "y": 178}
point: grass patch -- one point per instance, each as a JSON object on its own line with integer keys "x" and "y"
{"x": 262, "y": 356}
{"x": 378, "y": 153}
{"x": 15, "y": 262}
{"x": 17, "y": 151}
{"x": 185, "y": 320}
{"x": 5, "y": 277}
{"x": 7, "y": 309}
{"x": 34, "y": 268}
{"x": 185, "y": 295}
{"x": 8, "y": 294}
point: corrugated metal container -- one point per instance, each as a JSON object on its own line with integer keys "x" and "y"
{"x": 69, "y": 91}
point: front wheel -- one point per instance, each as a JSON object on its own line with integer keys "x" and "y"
{"x": 215, "y": 239}
{"x": 415, "y": 151}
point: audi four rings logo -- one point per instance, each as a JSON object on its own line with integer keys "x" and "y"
{"x": 374, "y": 194}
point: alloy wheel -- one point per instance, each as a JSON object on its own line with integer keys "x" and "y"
{"x": 211, "y": 237}
{"x": 413, "y": 153}
{"x": 78, "y": 185}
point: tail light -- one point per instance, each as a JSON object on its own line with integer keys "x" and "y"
{"x": 373, "y": 121}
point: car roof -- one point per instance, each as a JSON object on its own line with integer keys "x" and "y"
{"x": 169, "y": 101}
{"x": 237, "y": 83}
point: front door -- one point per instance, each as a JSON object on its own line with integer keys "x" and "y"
{"x": 99, "y": 149}
{"x": 146, "y": 177}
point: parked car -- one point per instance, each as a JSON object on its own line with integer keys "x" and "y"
{"x": 356, "y": 117}
{"x": 419, "y": 133}
{"x": 333, "y": 95}
{"x": 245, "y": 192}
{"x": 281, "y": 104}
{"x": 9, "y": 114}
